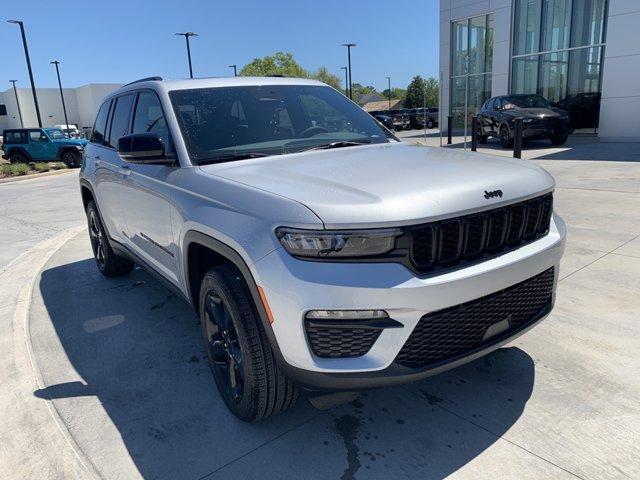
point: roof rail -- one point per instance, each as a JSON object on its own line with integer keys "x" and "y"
{"x": 146, "y": 79}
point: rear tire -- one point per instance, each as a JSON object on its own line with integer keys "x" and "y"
{"x": 109, "y": 264}
{"x": 248, "y": 379}
{"x": 71, "y": 159}
{"x": 430, "y": 124}
{"x": 18, "y": 157}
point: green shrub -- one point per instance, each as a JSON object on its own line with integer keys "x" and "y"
{"x": 19, "y": 169}
{"x": 5, "y": 169}
{"x": 41, "y": 167}
{"x": 57, "y": 165}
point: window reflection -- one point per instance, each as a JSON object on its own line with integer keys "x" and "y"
{"x": 557, "y": 53}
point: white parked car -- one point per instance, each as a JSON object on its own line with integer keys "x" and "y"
{"x": 70, "y": 130}
{"x": 319, "y": 254}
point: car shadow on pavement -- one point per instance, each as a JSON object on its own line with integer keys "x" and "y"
{"x": 136, "y": 349}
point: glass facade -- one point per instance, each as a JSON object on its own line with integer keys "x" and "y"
{"x": 557, "y": 52}
{"x": 471, "y": 59}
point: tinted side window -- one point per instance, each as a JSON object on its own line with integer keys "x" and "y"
{"x": 15, "y": 137}
{"x": 37, "y": 136}
{"x": 150, "y": 118}
{"x": 121, "y": 118}
{"x": 97, "y": 134}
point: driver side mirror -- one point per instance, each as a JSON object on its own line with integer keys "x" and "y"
{"x": 142, "y": 148}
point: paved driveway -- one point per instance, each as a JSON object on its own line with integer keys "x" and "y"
{"x": 119, "y": 365}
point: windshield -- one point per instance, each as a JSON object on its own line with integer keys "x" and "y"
{"x": 55, "y": 133}
{"x": 221, "y": 123}
{"x": 527, "y": 101}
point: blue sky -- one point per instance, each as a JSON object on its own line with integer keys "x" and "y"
{"x": 120, "y": 41}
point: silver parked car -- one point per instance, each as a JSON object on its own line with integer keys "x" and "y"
{"x": 319, "y": 251}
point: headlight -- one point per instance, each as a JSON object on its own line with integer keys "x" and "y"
{"x": 80, "y": 147}
{"x": 337, "y": 244}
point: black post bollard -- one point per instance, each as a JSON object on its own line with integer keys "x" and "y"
{"x": 449, "y": 124}
{"x": 474, "y": 133}
{"x": 517, "y": 139}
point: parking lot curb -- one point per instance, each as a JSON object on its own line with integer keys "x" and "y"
{"x": 26, "y": 269}
{"x": 33, "y": 176}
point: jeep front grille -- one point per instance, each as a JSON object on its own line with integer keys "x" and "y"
{"x": 462, "y": 329}
{"x": 450, "y": 242}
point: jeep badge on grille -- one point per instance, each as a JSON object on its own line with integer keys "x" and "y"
{"x": 492, "y": 194}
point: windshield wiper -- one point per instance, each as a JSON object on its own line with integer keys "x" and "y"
{"x": 338, "y": 144}
{"x": 231, "y": 158}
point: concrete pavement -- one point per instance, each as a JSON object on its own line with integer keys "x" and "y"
{"x": 121, "y": 388}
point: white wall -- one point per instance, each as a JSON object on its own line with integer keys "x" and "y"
{"x": 3, "y": 118}
{"x": 620, "y": 105}
{"x": 82, "y": 104}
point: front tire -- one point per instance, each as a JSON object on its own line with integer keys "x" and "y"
{"x": 430, "y": 124}
{"x": 71, "y": 159}
{"x": 243, "y": 365}
{"x": 505, "y": 137}
{"x": 559, "y": 139}
{"x": 109, "y": 264}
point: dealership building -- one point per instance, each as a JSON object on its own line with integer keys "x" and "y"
{"x": 81, "y": 103}
{"x": 581, "y": 55}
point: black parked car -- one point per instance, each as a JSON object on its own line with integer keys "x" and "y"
{"x": 419, "y": 117}
{"x": 541, "y": 120}
{"x": 400, "y": 118}
{"x": 385, "y": 120}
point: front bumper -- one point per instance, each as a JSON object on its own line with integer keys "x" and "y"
{"x": 294, "y": 287}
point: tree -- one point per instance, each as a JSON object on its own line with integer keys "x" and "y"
{"x": 396, "y": 93}
{"x": 280, "y": 63}
{"x": 415, "y": 93}
{"x": 327, "y": 77}
{"x": 418, "y": 88}
{"x": 283, "y": 63}
{"x": 359, "y": 91}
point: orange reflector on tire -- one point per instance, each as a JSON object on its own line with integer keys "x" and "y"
{"x": 267, "y": 309}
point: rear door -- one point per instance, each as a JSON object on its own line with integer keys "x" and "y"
{"x": 111, "y": 170}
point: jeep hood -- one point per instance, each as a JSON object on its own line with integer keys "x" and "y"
{"x": 389, "y": 184}
{"x": 66, "y": 141}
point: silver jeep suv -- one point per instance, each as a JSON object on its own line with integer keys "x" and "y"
{"x": 319, "y": 251}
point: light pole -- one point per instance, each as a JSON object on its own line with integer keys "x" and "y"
{"x": 389, "y": 90}
{"x": 17, "y": 102}
{"x": 235, "y": 71}
{"x": 186, "y": 35}
{"x": 346, "y": 80}
{"x": 349, "y": 45}
{"x": 26, "y": 54}
{"x": 64, "y": 108}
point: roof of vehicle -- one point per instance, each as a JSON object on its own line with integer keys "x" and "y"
{"x": 213, "y": 82}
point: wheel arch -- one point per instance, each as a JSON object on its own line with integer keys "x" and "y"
{"x": 21, "y": 150}
{"x": 200, "y": 253}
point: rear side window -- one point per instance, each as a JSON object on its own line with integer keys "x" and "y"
{"x": 149, "y": 118}
{"x": 121, "y": 118}
{"x": 97, "y": 135}
{"x": 15, "y": 137}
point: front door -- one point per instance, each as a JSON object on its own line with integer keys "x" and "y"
{"x": 149, "y": 205}
{"x": 39, "y": 145}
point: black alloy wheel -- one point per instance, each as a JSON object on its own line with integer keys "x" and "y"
{"x": 96, "y": 235}
{"x": 71, "y": 159}
{"x": 505, "y": 137}
{"x": 109, "y": 263}
{"x": 223, "y": 347}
